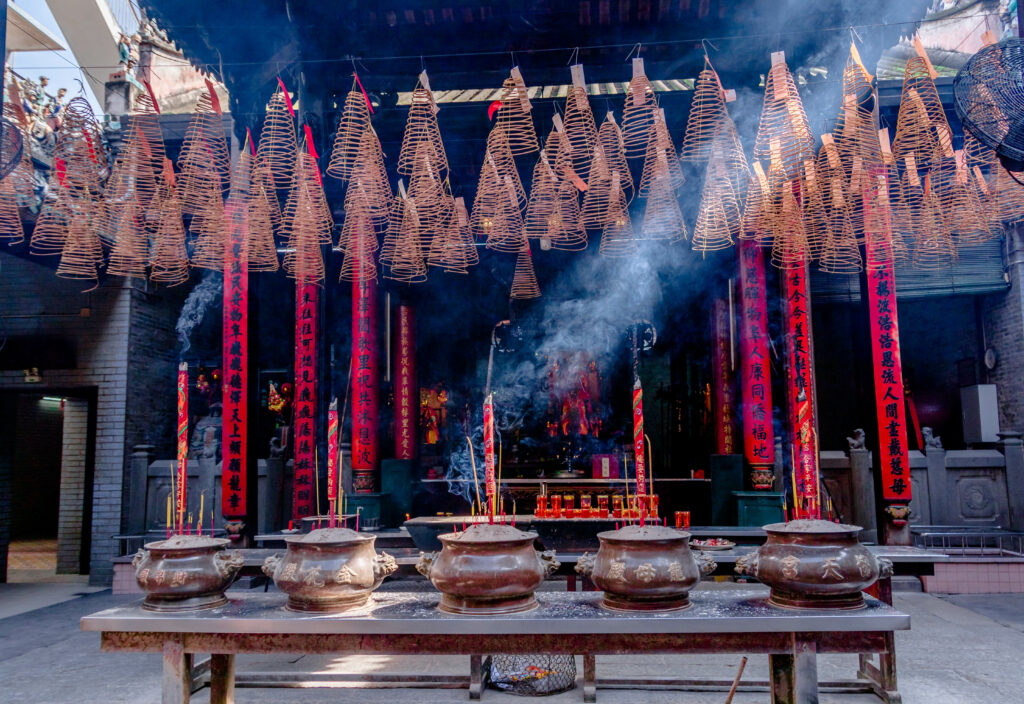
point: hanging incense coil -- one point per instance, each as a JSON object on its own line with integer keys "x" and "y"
{"x": 79, "y": 148}
{"x": 663, "y": 220}
{"x": 638, "y": 113}
{"x": 131, "y": 183}
{"x": 130, "y": 253}
{"x": 855, "y": 133}
{"x": 169, "y": 263}
{"x": 11, "y": 229}
{"x": 543, "y": 199}
{"x": 83, "y": 253}
{"x": 204, "y": 161}
{"x": 618, "y": 238}
{"x": 307, "y": 184}
{"x": 880, "y": 233}
{"x": 51, "y": 228}
{"x": 757, "y": 210}
{"x": 208, "y": 228}
{"x": 427, "y": 192}
{"x": 278, "y": 144}
{"x": 507, "y": 231}
{"x": 789, "y": 240}
{"x": 262, "y": 252}
{"x": 488, "y": 193}
{"x": 421, "y": 127}
{"x": 360, "y": 213}
{"x": 524, "y": 281}
{"x": 783, "y": 119}
{"x": 145, "y": 130}
{"x": 718, "y": 218}
{"x": 406, "y": 253}
{"x": 813, "y": 212}
{"x": 580, "y": 130}
{"x": 598, "y": 196}
{"x": 369, "y": 172}
{"x": 303, "y": 259}
{"x": 1009, "y": 195}
{"x": 841, "y": 253}
{"x": 355, "y": 118}
{"x": 609, "y": 137}
{"x": 707, "y": 112}
{"x": 504, "y": 163}
{"x": 359, "y": 243}
{"x": 559, "y": 153}
{"x": 23, "y": 176}
{"x": 660, "y": 143}
{"x": 262, "y": 185}
{"x": 934, "y": 249}
{"x": 515, "y": 120}
{"x": 921, "y": 127}
{"x": 566, "y": 231}
{"x": 734, "y": 159}
{"x": 958, "y": 203}
{"x": 452, "y": 248}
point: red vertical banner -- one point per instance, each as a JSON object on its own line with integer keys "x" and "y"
{"x": 722, "y": 378}
{"x": 638, "y": 447}
{"x": 755, "y": 382}
{"x": 365, "y": 408}
{"x": 235, "y": 401}
{"x": 181, "y": 476}
{"x": 406, "y": 401}
{"x": 885, "y": 345}
{"x": 303, "y": 498}
{"x": 800, "y": 390}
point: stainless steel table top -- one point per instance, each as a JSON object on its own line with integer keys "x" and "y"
{"x": 726, "y": 611}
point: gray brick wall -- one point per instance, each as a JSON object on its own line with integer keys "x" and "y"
{"x": 1003, "y": 315}
{"x": 72, "y": 485}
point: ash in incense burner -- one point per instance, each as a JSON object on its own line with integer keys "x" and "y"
{"x": 487, "y": 569}
{"x": 185, "y": 572}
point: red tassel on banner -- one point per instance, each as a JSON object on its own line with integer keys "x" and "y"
{"x": 152, "y": 97}
{"x": 360, "y": 84}
{"x": 214, "y": 100}
{"x": 287, "y": 97}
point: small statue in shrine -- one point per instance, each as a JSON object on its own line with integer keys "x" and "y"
{"x": 433, "y": 413}
{"x": 206, "y": 434}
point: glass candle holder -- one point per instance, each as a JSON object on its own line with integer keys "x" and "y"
{"x": 652, "y": 505}
{"x": 542, "y": 506}
{"x": 556, "y": 506}
{"x": 602, "y": 506}
{"x": 616, "y": 507}
{"x": 568, "y": 500}
{"x": 584, "y": 505}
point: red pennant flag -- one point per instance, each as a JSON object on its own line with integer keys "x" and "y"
{"x": 62, "y": 169}
{"x": 152, "y": 96}
{"x": 360, "y": 84}
{"x": 248, "y": 138}
{"x": 214, "y": 100}
{"x": 493, "y": 108}
{"x": 287, "y": 98}
{"x": 309, "y": 142}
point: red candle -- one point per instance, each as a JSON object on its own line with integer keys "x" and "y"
{"x": 489, "y": 454}
{"x": 182, "y": 442}
{"x": 332, "y": 458}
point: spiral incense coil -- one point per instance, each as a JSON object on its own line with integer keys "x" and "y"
{"x": 407, "y": 256}
{"x": 145, "y": 129}
{"x": 426, "y": 191}
{"x": 783, "y": 119}
{"x": 507, "y": 232}
{"x": 638, "y": 113}
{"x": 789, "y": 240}
{"x": 307, "y": 185}
{"x": 814, "y": 213}
{"x": 660, "y": 143}
{"x": 617, "y": 237}
{"x": 371, "y": 170}
{"x": 131, "y": 182}
{"x": 566, "y": 231}
{"x": 208, "y": 227}
{"x": 979, "y": 154}
{"x": 204, "y": 161}
{"x": 879, "y": 234}
{"x": 598, "y": 196}
{"x": 421, "y": 127}
{"x": 841, "y": 253}
{"x": 262, "y": 252}
{"x": 278, "y": 145}
{"x": 11, "y": 229}
{"x": 83, "y": 253}
{"x": 359, "y": 243}
{"x": 355, "y": 118}
{"x": 609, "y": 137}
{"x": 921, "y": 127}
{"x": 856, "y": 138}
{"x": 303, "y": 259}
{"x": 130, "y": 253}
{"x": 169, "y": 263}
{"x": 262, "y": 184}
{"x": 707, "y": 111}
{"x": 361, "y": 212}
{"x": 558, "y": 150}
{"x": 514, "y": 120}
{"x": 1009, "y": 195}
{"x": 727, "y": 143}
{"x": 452, "y": 248}
{"x": 580, "y": 130}
{"x": 524, "y": 280}
{"x": 773, "y": 202}
{"x": 488, "y": 193}
{"x": 543, "y": 199}
{"x": 958, "y": 203}
{"x": 498, "y": 149}
{"x": 934, "y": 249}
{"x": 51, "y": 228}
{"x": 79, "y": 145}
{"x": 23, "y": 176}
{"x": 757, "y": 210}
{"x": 718, "y": 218}
{"x": 663, "y": 220}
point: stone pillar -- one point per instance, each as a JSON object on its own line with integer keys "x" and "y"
{"x": 862, "y": 481}
{"x": 1013, "y": 450}
{"x": 939, "y": 497}
{"x": 142, "y": 457}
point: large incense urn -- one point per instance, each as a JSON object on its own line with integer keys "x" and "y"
{"x": 487, "y": 569}
{"x": 645, "y": 568}
{"x": 329, "y": 570}
{"x": 185, "y": 572}
{"x": 814, "y": 564}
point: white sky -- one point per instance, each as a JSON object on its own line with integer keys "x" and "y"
{"x": 59, "y": 66}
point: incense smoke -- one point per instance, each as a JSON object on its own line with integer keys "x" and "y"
{"x": 206, "y": 292}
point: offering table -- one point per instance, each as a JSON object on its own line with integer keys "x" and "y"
{"x": 726, "y": 621}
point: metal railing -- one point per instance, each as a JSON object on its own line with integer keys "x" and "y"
{"x": 966, "y": 541}
{"x": 127, "y": 14}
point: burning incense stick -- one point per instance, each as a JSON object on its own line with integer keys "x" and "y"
{"x": 476, "y": 482}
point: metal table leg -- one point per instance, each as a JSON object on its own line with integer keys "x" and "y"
{"x": 222, "y": 679}
{"x": 476, "y": 678}
{"x": 177, "y": 679}
{"x": 589, "y": 678}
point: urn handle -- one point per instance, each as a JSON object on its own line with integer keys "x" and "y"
{"x": 585, "y": 565}
{"x": 228, "y": 563}
{"x": 705, "y": 563}
{"x": 548, "y": 562}
{"x": 747, "y": 565}
{"x": 884, "y": 568}
{"x": 383, "y": 565}
{"x": 139, "y": 557}
{"x": 270, "y": 565}
{"x": 426, "y": 563}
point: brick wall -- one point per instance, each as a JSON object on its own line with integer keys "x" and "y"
{"x": 72, "y": 485}
{"x": 1003, "y": 315}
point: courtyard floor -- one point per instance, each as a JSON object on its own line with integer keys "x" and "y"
{"x": 961, "y": 649}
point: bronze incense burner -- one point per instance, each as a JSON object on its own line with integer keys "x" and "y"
{"x": 814, "y": 564}
{"x": 329, "y": 570}
{"x": 487, "y": 569}
{"x": 185, "y": 572}
{"x": 645, "y": 568}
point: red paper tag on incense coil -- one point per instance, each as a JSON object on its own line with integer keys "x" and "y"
{"x": 214, "y": 100}
{"x": 168, "y": 172}
{"x": 571, "y": 174}
{"x": 369, "y": 105}
{"x": 61, "y": 167}
{"x": 248, "y": 138}
{"x": 287, "y": 97}
{"x": 309, "y": 142}
{"x": 152, "y": 96}
{"x": 493, "y": 108}
{"x": 88, "y": 142}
